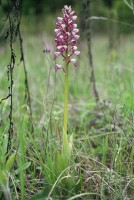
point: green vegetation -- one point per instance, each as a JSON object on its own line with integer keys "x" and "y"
{"x": 102, "y": 163}
{"x": 103, "y": 138}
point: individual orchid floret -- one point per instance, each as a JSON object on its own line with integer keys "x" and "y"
{"x": 67, "y": 36}
{"x": 59, "y": 67}
{"x": 74, "y": 62}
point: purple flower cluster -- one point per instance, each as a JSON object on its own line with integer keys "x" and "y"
{"x": 66, "y": 37}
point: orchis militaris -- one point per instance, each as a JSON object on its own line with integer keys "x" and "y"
{"x": 66, "y": 38}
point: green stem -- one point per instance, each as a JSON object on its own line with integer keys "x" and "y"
{"x": 66, "y": 100}
{"x": 65, "y": 139}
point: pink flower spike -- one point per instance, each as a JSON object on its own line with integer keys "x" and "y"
{"x": 66, "y": 37}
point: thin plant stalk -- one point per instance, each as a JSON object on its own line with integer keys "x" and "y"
{"x": 66, "y": 100}
{"x": 7, "y": 193}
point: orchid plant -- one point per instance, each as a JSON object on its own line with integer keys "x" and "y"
{"x": 66, "y": 38}
{"x": 58, "y": 167}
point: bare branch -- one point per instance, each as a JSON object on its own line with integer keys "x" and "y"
{"x": 5, "y": 98}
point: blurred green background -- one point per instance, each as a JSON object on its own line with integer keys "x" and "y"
{"x": 44, "y": 9}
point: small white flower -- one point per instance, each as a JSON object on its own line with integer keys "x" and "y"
{"x": 59, "y": 18}
{"x": 70, "y": 9}
{"x": 63, "y": 25}
{"x": 68, "y": 34}
{"x": 77, "y": 53}
{"x": 74, "y": 17}
{"x": 59, "y": 47}
{"x": 74, "y": 48}
{"x": 72, "y": 13}
{"x": 56, "y": 54}
{"x": 74, "y": 62}
{"x": 64, "y": 46}
{"x": 75, "y": 30}
{"x": 61, "y": 36}
{"x": 76, "y": 37}
{"x": 75, "y": 25}
{"x": 56, "y": 30}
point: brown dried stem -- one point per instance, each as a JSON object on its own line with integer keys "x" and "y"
{"x": 86, "y": 8}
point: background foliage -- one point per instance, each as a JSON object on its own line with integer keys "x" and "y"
{"x": 103, "y": 154}
{"x": 116, "y": 9}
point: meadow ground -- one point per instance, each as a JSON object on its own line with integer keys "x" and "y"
{"x": 102, "y": 165}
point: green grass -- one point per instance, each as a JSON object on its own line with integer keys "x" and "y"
{"x": 103, "y": 153}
